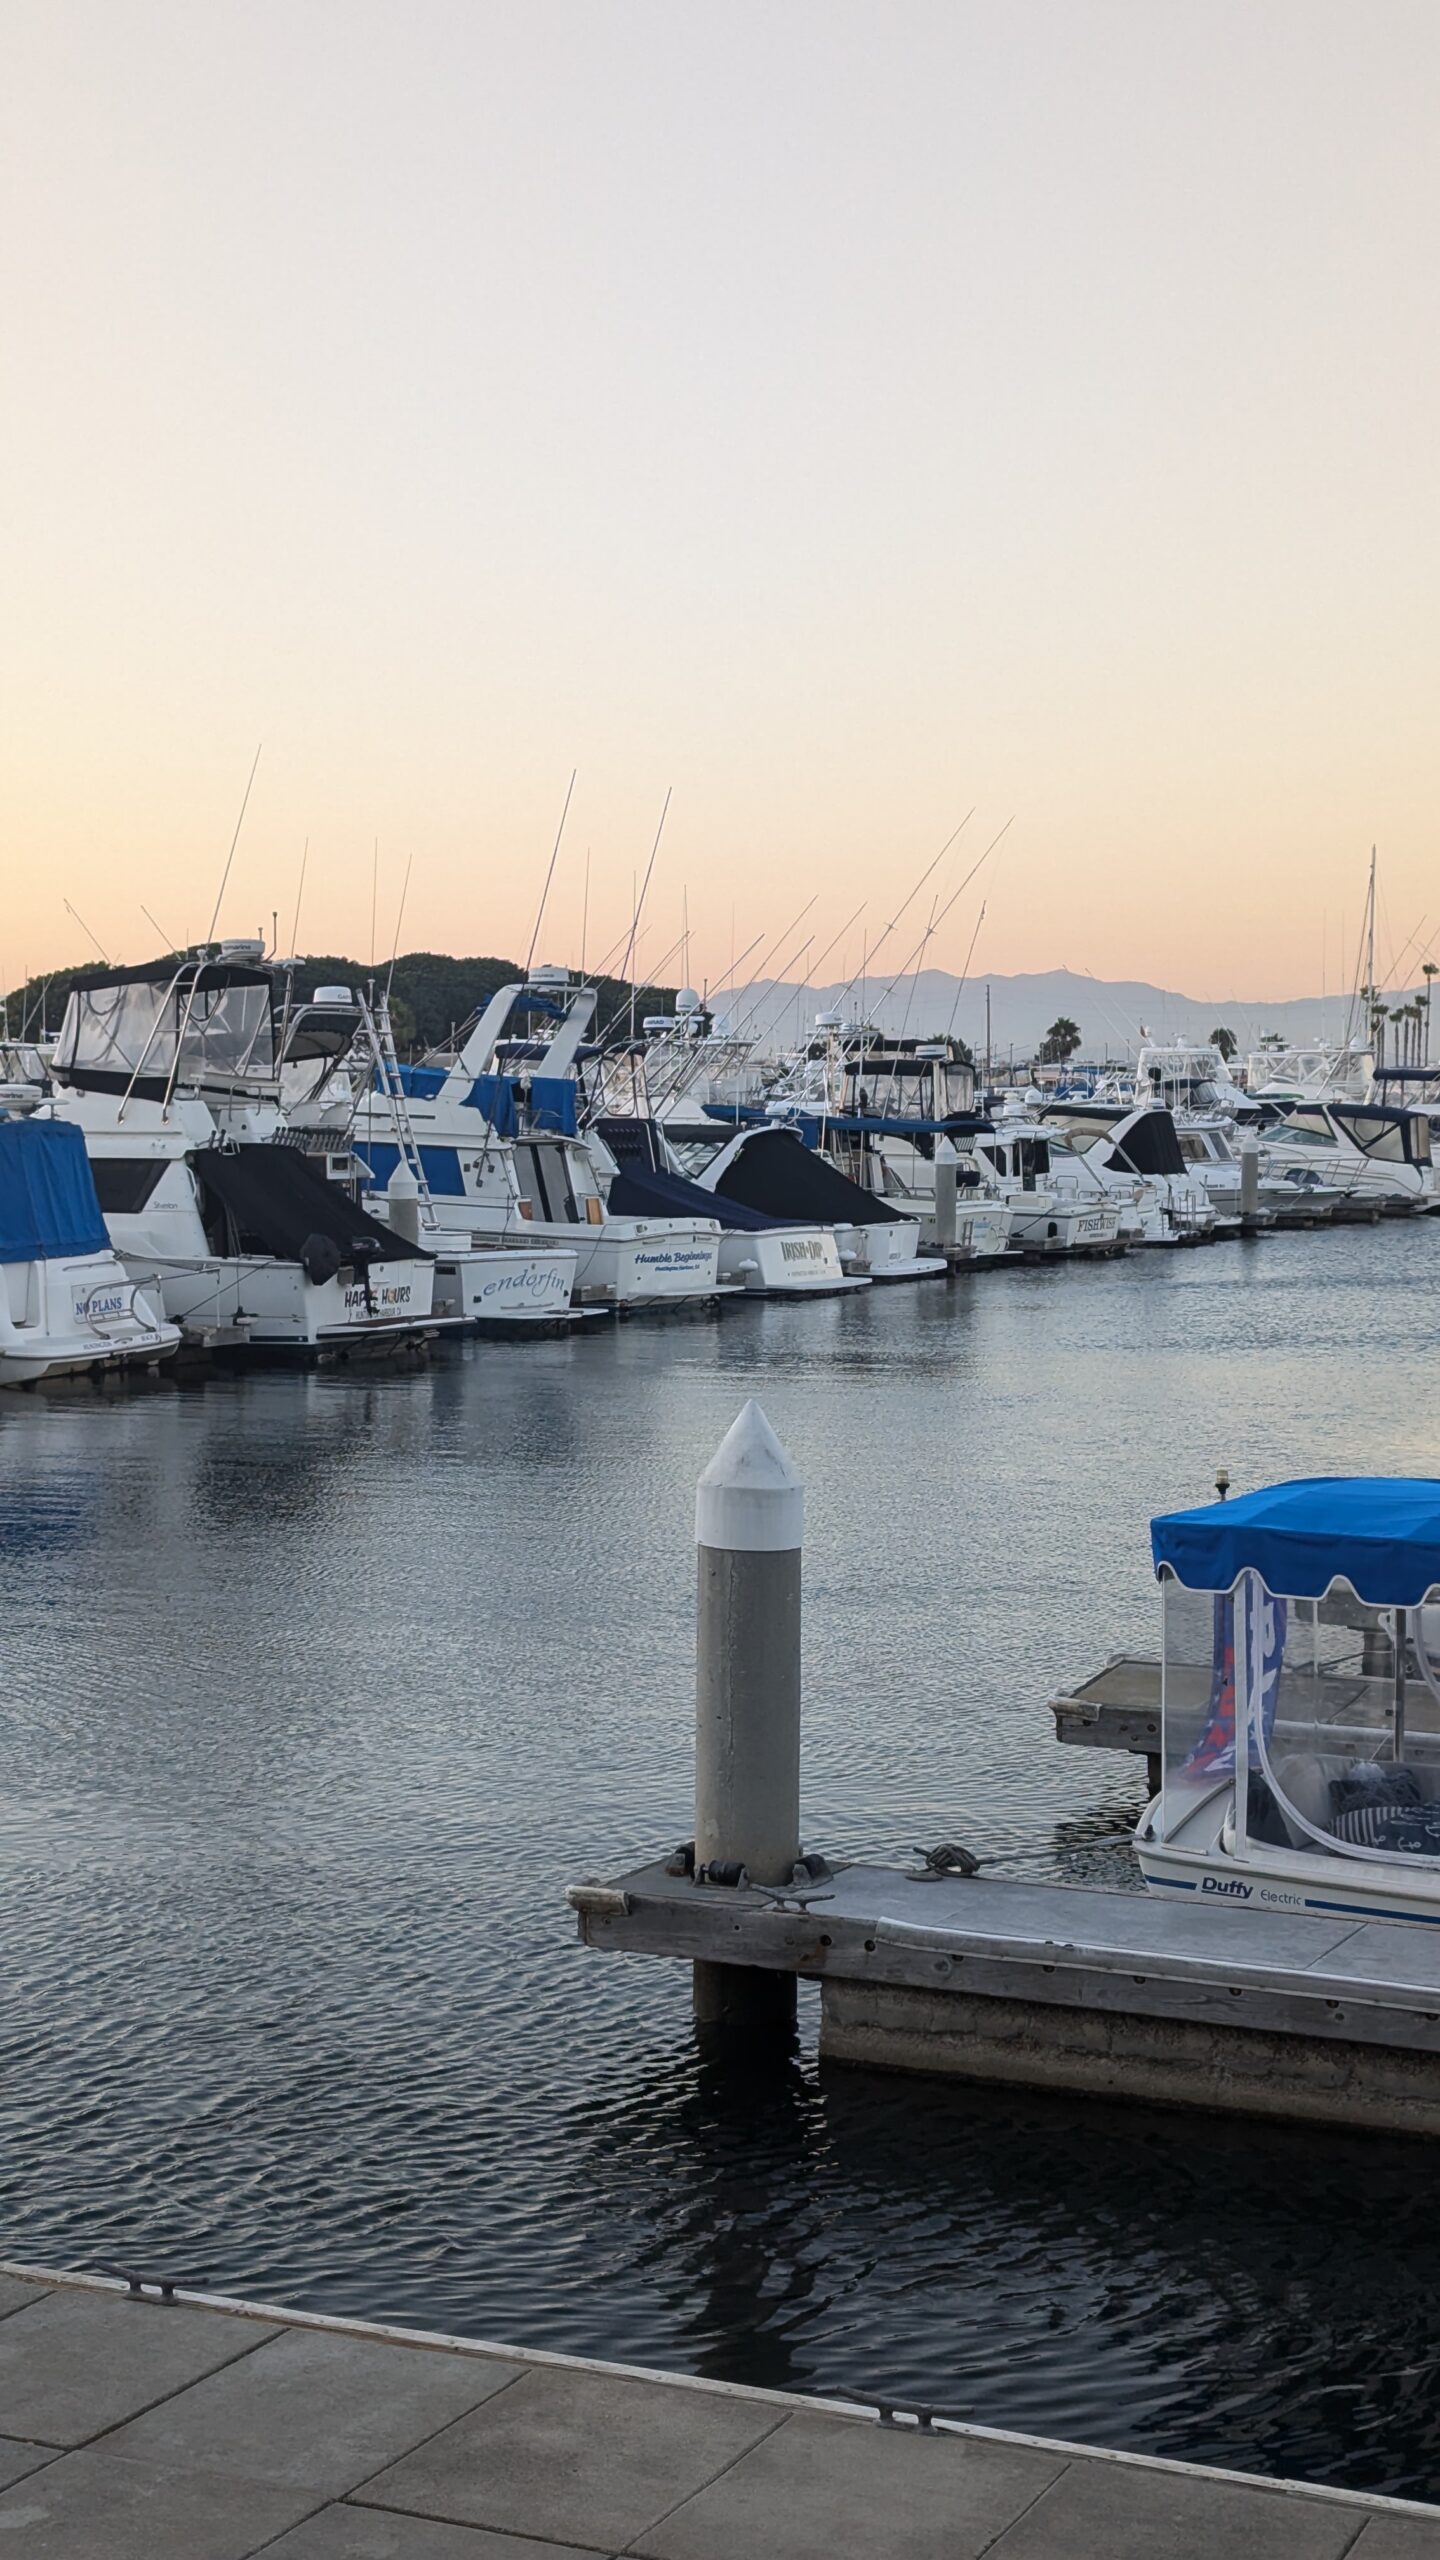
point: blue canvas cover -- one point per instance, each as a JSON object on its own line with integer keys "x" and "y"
{"x": 440, "y": 1166}
{"x": 647, "y": 1191}
{"x": 47, "y": 1193}
{"x": 494, "y": 1096}
{"x": 420, "y": 1083}
{"x": 552, "y": 1105}
{"x": 1380, "y": 1534}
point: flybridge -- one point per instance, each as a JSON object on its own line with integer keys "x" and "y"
{"x": 142, "y": 1029}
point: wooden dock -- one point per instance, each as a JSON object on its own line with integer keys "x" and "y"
{"x": 1118, "y": 1709}
{"x": 205, "y": 2429}
{"x": 1062, "y": 1987}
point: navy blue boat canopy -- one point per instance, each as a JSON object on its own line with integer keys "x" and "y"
{"x": 1379, "y": 1534}
{"x": 47, "y": 1193}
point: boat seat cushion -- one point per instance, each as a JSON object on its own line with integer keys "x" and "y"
{"x": 1414, "y": 1828}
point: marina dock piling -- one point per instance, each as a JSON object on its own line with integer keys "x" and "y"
{"x": 1249, "y": 1179}
{"x": 402, "y": 1203}
{"x": 947, "y": 1164}
{"x": 749, "y": 1530}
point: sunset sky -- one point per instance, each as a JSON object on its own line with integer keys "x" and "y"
{"x": 841, "y": 415}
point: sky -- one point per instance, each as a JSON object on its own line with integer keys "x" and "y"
{"x": 839, "y": 415}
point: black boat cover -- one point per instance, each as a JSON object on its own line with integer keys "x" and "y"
{"x": 269, "y": 1199}
{"x": 645, "y": 1189}
{"x": 776, "y": 1171}
{"x": 1146, "y": 1144}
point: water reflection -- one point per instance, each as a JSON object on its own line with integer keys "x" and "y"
{"x": 318, "y": 1691}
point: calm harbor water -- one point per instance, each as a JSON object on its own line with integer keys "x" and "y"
{"x": 315, "y": 1693}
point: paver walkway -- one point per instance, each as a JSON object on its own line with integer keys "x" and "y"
{"x": 195, "y": 2430}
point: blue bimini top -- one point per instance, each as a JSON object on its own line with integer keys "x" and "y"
{"x": 1379, "y": 1534}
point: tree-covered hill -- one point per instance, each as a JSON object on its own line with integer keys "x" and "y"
{"x": 431, "y": 993}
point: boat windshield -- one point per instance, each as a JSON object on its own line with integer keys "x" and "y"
{"x": 206, "y": 1023}
{"x": 1307, "y": 1129}
{"x": 1393, "y": 1137}
{"x": 1343, "y": 1722}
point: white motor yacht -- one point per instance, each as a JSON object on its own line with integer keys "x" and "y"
{"x": 336, "y": 1050}
{"x": 646, "y": 1100}
{"x": 1310, "y": 1071}
{"x": 168, "y": 1071}
{"x": 1296, "y": 1196}
{"x": 768, "y": 1256}
{"x": 768, "y": 1164}
{"x": 1139, "y": 1144}
{"x": 1058, "y": 1203}
{"x": 498, "y": 1137}
{"x": 1377, "y": 1157}
{"x": 67, "y": 1308}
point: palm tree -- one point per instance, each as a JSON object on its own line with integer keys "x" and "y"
{"x": 1060, "y": 1042}
{"x": 1225, "y": 1041}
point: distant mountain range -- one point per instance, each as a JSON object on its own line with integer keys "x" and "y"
{"x": 1109, "y": 1011}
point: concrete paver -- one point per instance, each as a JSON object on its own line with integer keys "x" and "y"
{"x": 93, "y": 2505}
{"x": 818, "y": 2486}
{"x": 76, "y": 2363}
{"x": 1398, "y": 2538}
{"x": 314, "y": 2410}
{"x": 1131, "y": 2513}
{"x": 370, "y": 2533}
{"x": 585, "y": 2458}
{"x": 222, "y": 2435}
{"x": 17, "y": 2459}
{"x": 15, "y": 2293}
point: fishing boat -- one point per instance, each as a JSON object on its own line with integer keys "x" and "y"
{"x": 644, "y": 1102}
{"x": 67, "y": 1307}
{"x": 769, "y": 1256}
{"x": 889, "y": 1107}
{"x": 1300, "y": 1701}
{"x": 770, "y": 1161}
{"x": 496, "y": 1128}
{"x": 168, "y": 1071}
{"x": 336, "y": 1049}
{"x": 1310, "y": 1071}
{"x": 1058, "y": 1204}
{"x": 1135, "y": 1152}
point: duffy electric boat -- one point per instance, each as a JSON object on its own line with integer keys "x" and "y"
{"x": 1300, "y": 1701}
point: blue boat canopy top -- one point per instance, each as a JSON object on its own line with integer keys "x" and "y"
{"x": 1380, "y": 1535}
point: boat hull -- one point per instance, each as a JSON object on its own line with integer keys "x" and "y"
{"x": 1372, "y": 1893}
{"x": 509, "y": 1286}
{"x": 272, "y": 1307}
{"x": 887, "y": 1251}
{"x": 77, "y": 1316}
{"x": 786, "y": 1262}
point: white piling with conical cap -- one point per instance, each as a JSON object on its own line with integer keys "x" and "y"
{"x": 402, "y": 1203}
{"x": 749, "y": 1531}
